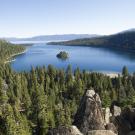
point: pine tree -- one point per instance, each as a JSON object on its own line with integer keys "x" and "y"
{"x": 131, "y": 94}
{"x": 106, "y": 100}
{"x": 125, "y": 71}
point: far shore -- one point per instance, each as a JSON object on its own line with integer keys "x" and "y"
{"x": 9, "y": 59}
{"x": 112, "y": 75}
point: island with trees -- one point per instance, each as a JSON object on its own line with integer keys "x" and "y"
{"x": 63, "y": 55}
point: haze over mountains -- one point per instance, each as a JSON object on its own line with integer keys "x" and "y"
{"x": 80, "y": 39}
{"x": 53, "y": 37}
{"x": 59, "y": 36}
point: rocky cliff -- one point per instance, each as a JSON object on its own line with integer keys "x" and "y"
{"x": 89, "y": 115}
{"x": 92, "y": 119}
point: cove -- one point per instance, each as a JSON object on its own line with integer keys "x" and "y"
{"x": 86, "y": 58}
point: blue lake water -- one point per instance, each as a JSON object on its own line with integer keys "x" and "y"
{"x": 88, "y": 58}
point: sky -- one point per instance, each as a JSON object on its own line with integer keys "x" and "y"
{"x": 26, "y": 18}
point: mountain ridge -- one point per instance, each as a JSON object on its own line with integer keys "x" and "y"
{"x": 125, "y": 40}
{"x": 52, "y": 37}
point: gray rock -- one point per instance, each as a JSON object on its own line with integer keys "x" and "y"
{"x": 111, "y": 126}
{"x": 107, "y": 115}
{"x": 62, "y": 130}
{"x": 75, "y": 131}
{"x": 101, "y": 132}
{"x": 126, "y": 121}
{"x": 89, "y": 115}
{"x": 116, "y": 110}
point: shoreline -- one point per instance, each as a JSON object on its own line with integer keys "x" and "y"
{"x": 112, "y": 75}
{"x": 109, "y": 74}
{"x": 9, "y": 59}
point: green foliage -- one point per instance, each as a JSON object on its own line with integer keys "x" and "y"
{"x": 7, "y": 50}
{"x": 33, "y": 102}
{"x": 106, "y": 99}
{"x": 125, "y": 71}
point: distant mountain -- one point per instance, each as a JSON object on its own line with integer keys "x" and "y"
{"x": 54, "y": 37}
{"x": 124, "y": 40}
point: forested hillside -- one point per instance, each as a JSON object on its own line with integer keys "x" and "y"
{"x": 33, "y": 102}
{"x": 7, "y": 49}
{"x": 125, "y": 40}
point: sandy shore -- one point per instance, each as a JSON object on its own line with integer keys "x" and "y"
{"x": 109, "y": 74}
{"x": 112, "y": 75}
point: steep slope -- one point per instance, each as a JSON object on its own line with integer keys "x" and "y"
{"x": 89, "y": 115}
{"x": 7, "y": 49}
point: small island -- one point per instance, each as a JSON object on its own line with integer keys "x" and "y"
{"x": 62, "y": 55}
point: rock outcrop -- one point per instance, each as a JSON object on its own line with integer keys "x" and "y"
{"x": 100, "y": 132}
{"x": 116, "y": 110}
{"x": 125, "y": 122}
{"x": 62, "y": 130}
{"x": 89, "y": 115}
{"x": 90, "y": 119}
{"x": 111, "y": 127}
{"x": 107, "y": 115}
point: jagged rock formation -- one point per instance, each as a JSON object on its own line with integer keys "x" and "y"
{"x": 90, "y": 119}
{"x": 89, "y": 115}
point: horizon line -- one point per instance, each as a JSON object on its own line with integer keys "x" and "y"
{"x": 32, "y": 36}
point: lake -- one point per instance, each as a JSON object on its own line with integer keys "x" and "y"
{"x": 88, "y": 58}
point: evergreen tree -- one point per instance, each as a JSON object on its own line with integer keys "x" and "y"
{"x": 125, "y": 71}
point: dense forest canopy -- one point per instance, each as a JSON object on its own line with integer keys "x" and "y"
{"x": 33, "y": 102}
{"x": 44, "y": 98}
{"x": 125, "y": 40}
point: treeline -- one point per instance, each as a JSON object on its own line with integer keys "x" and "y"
{"x": 125, "y": 40}
{"x": 33, "y": 102}
{"x": 7, "y": 49}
